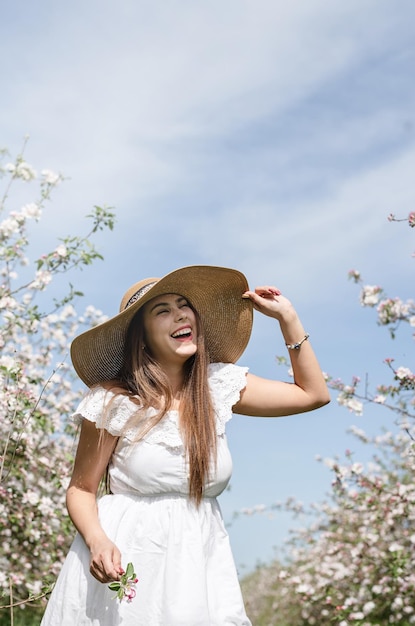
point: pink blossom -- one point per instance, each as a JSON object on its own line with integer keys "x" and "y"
{"x": 354, "y": 275}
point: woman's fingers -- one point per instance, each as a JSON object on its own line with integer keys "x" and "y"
{"x": 105, "y": 566}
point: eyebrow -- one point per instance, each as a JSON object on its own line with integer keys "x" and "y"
{"x": 158, "y": 304}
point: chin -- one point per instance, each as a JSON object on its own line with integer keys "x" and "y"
{"x": 187, "y": 354}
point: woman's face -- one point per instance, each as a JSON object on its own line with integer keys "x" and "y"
{"x": 170, "y": 329}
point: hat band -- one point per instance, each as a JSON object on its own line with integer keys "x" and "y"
{"x": 139, "y": 294}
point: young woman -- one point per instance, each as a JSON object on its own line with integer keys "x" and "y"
{"x": 163, "y": 384}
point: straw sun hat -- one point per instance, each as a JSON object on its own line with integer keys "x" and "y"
{"x": 215, "y": 293}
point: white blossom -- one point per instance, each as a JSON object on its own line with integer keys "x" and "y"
{"x": 368, "y": 607}
{"x": 25, "y": 171}
{"x": 356, "y": 616}
{"x": 8, "y": 227}
{"x": 67, "y": 311}
{"x": 392, "y": 310}
{"x": 61, "y": 250}
{"x": 42, "y": 279}
{"x": 395, "y": 547}
{"x": 357, "y": 468}
{"x": 46, "y": 505}
{"x": 50, "y": 177}
{"x": 9, "y": 363}
{"x": 351, "y": 403}
{"x": 370, "y": 295}
{"x": 9, "y": 303}
{"x": 31, "y": 497}
{"x": 397, "y": 603}
{"x": 403, "y": 372}
{"x": 31, "y": 210}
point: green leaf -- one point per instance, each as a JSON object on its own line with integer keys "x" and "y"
{"x": 114, "y": 586}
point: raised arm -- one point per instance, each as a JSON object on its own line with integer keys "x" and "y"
{"x": 92, "y": 457}
{"x": 269, "y": 398}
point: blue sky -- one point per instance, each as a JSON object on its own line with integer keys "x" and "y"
{"x": 268, "y": 136}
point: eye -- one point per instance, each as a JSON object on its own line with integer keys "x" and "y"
{"x": 161, "y": 311}
{"x": 183, "y": 303}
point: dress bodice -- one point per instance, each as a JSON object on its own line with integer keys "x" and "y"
{"x": 157, "y": 464}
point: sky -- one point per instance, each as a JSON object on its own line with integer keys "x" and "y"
{"x": 267, "y": 136}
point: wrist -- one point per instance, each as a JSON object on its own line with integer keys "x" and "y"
{"x": 297, "y": 345}
{"x": 292, "y": 331}
{"x": 288, "y": 317}
{"x": 95, "y": 539}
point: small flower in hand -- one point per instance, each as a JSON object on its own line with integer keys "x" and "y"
{"x": 125, "y": 587}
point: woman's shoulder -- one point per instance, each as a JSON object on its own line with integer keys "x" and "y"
{"x": 227, "y": 374}
{"x": 107, "y": 407}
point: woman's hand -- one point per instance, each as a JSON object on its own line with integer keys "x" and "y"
{"x": 269, "y": 301}
{"x": 105, "y": 561}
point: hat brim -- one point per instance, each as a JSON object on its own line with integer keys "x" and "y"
{"x": 215, "y": 293}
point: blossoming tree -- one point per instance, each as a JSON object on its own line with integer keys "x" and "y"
{"x": 36, "y": 390}
{"x": 354, "y": 563}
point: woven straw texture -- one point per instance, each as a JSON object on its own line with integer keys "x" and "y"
{"x": 215, "y": 292}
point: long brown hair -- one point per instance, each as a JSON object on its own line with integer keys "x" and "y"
{"x": 142, "y": 378}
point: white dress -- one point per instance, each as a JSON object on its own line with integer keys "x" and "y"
{"x": 180, "y": 552}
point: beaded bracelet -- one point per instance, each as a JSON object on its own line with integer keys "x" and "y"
{"x": 296, "y": 346}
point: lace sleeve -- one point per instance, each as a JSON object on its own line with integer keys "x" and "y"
{"x": 226, "y": 382}
{"x": 93, "y": 407}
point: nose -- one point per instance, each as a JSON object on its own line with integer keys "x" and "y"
{"x": 180, "y": 313}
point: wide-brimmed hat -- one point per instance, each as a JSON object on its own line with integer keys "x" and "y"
{"x": 215, "y": 293}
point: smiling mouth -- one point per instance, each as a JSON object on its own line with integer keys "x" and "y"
{"x": 182, "y": 334}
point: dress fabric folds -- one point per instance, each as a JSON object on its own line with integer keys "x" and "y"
{"x": 180, "y": 552}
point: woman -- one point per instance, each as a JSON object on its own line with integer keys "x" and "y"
{"x": 163, "y": 384}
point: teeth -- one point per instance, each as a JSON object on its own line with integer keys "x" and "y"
{"x": 183, "y": 331}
